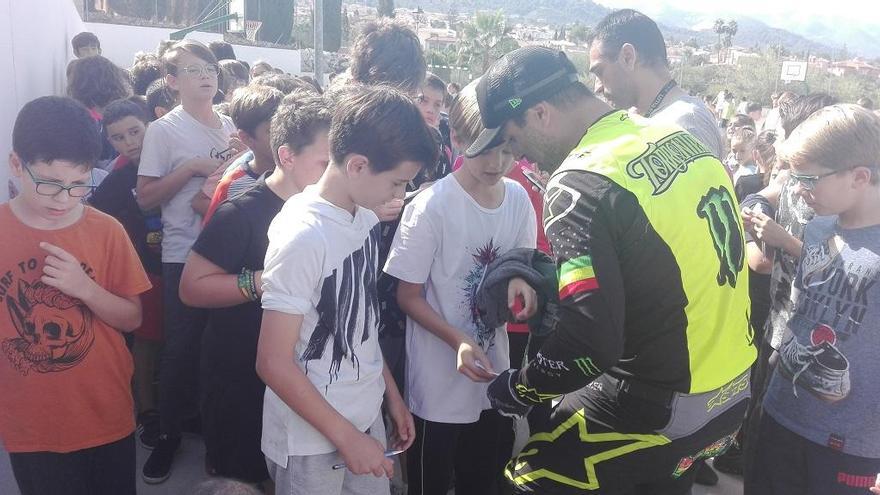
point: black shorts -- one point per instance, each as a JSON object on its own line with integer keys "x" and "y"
{"x": 603, "y": 440}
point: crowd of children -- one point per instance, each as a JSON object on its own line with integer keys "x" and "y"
{"x": 198, "y": 244}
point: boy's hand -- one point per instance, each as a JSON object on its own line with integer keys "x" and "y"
{"x": 364, "y": 454}
{"x": 237, "y": 145}
{"x": 201, "y": 166}
{"x": 258, "y": 281}
{"x": 473, "y": 362}
{"x": 64, "y": 272}
{"x": 390, "y": 210}
{"x": 768, "y": 231}
{"x": 404, "y": 433}
{"x": 519, "y": 288}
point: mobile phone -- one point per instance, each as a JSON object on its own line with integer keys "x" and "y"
{"x": 535, "y": 180}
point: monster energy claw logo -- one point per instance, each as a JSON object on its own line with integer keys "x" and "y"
{"x": 666, "y": 159}
{"x": 719, "y": 210}
{"x": 586, "y": 366}
{"x": 514, "y": 102}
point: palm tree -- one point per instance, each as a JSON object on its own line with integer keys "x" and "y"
{"x": 719, "y": 28}
{"x": 730, "y": 30}
{"x": 484, "y": 39}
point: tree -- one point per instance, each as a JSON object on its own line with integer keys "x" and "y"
{"x": 332, "y": 25}
{"x": 485, "y": 38}
{"x": 386, "y": 8}
{"x": 719, "y": 28}
{"x": 277, "y": 18}
{"x": 692, "y": 43}
{"x": 452, "y": 18}
{"x": 579, "y": 33}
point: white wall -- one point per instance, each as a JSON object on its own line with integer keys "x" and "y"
{"x": 34, "y": 51}
{"x": 119, "y": 43}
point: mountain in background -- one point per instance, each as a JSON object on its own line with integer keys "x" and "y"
{"x": 820, "y": 36}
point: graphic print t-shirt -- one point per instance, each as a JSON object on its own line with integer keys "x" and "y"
{"x": 169, "y": 143}
{"x": 65, "y": 375}
{"x": 792, "y": 214}
{"x": 825, "y": 387}
{"x": 322, "y": 264}
{"x": 445, "y": 241}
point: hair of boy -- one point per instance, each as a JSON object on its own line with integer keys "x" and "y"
{"x": 56, "y": 128}
{"x": 464, "y": 115}
{"x": 253, "y": 105}
{"x": 236, "y": 69}
{"x": 83, "y": 40}
{"x": 159, "y": 95}
{"x": 222, "y": 50}
{"x": 96, "y": 81}
{"x": 866, "y": 102}
{"x": 225, "y": 487}
{"x": 282, "y": 82}
{"x": 163, "y": 47}
{"x": 741, "y": 120}
{"x": 261, "y": 67}
{"x": 195, "y": 48}
{"x": 300, "y": 117}
{"x": 120, "y": 109}
{"x": 764, "y": 145}
{"x": 140, "y": 101}
{"x": 383, "y": 124}
{"x": 311, "y": 81}
{"x": 631, "y": 26}
{"x": 837, "y": 137}
{"x": 145, "y": 70}
{"x": 433, "y": 81}
{"x": 754, "y": 107}
{"x": 744, "y": 134}
{"x": 796, "y": 110}
{"x": 386, "y": 52}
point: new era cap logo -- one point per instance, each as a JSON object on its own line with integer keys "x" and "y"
{"x": 514, "y": 102}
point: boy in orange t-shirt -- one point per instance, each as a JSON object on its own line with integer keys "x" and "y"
{"x": 70, "y": 281}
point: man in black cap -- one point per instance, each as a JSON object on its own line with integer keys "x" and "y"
{"x": 650, "y": 355}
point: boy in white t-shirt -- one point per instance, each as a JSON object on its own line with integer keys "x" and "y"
{"x": 180, "y": 149}
{"x": 318, "y": 351}
{"x": 447, "y": 237}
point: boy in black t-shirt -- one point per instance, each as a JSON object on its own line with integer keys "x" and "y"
{"x": 223, "y": 272}
{"x": 124, "y": 124}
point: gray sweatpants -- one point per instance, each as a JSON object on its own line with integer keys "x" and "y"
{"x": 314, "y": 474}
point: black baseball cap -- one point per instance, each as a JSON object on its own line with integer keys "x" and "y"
{"x": 514, "y": 83}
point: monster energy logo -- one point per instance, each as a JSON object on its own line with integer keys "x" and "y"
{"x": 586, "y": 366}
{"x": 666, "y": 159}
{"x": 719, "y": 210}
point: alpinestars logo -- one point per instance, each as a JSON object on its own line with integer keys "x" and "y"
{"x": 719, "y": 209}
{"x": 665, "y": 160}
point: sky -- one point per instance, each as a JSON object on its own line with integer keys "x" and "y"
{"x": 778, "y": 10}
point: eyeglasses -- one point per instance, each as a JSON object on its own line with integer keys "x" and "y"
{"x": 49, "y": 188}
{"x": 200, "y": 70}
{"x": 809, "y": 182}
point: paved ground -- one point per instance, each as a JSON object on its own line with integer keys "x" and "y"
{"x": 190, "y": 471}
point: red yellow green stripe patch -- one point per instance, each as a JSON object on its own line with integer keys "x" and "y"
{"x": 577, "y": 276}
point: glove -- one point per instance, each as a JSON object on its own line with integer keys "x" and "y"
{"x": 503, "y": 397}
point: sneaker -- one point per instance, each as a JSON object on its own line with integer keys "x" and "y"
{"x": 730, "y": 462}
{"x": 158, "y": 467}
{"x": 706, "y": 476}
{"x": 148, "y": 428}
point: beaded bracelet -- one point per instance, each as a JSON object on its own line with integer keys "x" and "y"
{"x": 247, "y": 284}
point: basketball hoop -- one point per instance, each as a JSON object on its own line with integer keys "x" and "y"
{"x": 251, "y": 28}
